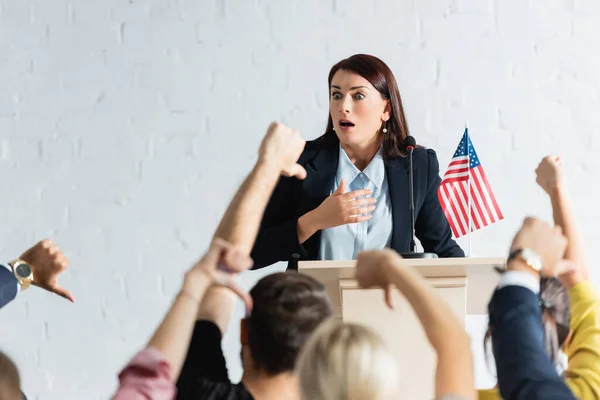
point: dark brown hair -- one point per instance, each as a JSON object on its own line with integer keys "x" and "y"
{"x": 288, "y": 307}
{"x": 556, "y": 317}
{"x": 10, "y": 383}
{"x": 381, "y": 77}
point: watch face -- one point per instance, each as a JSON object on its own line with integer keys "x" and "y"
{"x": 23, "y": 270}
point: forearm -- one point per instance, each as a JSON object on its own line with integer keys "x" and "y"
{"x": 564, "y": 216}
{"x": 239, "y": 226}
{"x": 306, "y": 227}
{"x": 172, "y": 337}
{"x": 241, "y": 220}
{"x": 217, "y": 307}
{"x": 524, "y": 369}
{"x": 454, "y": 372}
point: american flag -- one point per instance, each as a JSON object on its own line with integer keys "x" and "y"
{"x": 465, "y": 174}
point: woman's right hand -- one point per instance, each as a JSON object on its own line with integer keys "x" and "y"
{"x": 338, "y": 209}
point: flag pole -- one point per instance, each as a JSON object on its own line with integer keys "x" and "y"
{"x": 468, "y": 185}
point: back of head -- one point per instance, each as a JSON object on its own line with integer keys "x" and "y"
{"x": 347, "y": 361}
{"x": 10, "y": 383}
{"x": 287, "y": 308}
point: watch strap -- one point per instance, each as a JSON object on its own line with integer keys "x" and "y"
{"x": 530, "y": 257}
{"x": 514, "y": 254}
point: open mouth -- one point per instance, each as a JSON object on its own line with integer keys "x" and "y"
{"x": 346, "y": 124}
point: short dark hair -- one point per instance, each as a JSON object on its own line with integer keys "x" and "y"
{"x": 288, "y": 307}
{"x": 10, "y": 383}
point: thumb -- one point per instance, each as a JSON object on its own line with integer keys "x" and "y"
{"x": 388, "y": 296}
{"x": 61, "y": 291}
{"x": 218, "y": 248}
{"x": 229, "y": 282}
{"x": 341, "y": 189}
{"x": 298, "y": 171}
{"x": 235, "y": 288}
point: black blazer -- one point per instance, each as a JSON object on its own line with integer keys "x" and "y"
{"x": 278, "y": 239}
{"x": 523, "y": 367}
{"x": 8, "y": 286}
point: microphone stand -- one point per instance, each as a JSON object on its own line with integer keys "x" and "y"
{"x": 413, "y": 246}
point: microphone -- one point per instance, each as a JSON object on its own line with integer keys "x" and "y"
{"x": 409, "y": 144}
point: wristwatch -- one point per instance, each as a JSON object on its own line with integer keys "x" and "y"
{"x": 22, "y": 272}
{"x": 530, "y": 257}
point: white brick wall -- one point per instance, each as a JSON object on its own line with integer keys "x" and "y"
{"x": 125, "y": 127}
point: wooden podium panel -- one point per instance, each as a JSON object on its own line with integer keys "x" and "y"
{"x": 402, "y": 331}
{"x": 466, "y": 284}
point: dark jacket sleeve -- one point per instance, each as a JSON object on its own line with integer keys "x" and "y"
{"x": 277, "y": 238}
{"x": 431, "y": 226}
{"x": 524, "y": 369}
{"x": 8, "y": 286}
{"x": 205, "y": 357}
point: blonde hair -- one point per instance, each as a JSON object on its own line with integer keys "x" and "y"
{"x": 346, "y": 362}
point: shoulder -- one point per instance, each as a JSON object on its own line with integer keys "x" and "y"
{"x": 314, "y": 147}
{"x": 203, "y": 388}
{"x": 425, "y": 157}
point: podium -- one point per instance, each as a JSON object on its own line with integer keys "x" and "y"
{"x": 466, "y": 284}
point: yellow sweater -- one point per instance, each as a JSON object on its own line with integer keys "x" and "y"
{"x": 583, "y": 350}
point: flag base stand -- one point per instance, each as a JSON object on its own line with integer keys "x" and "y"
{"x": 419, "y": 255}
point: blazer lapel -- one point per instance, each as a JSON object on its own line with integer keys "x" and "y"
{"x": 317, "y": 187}
{"x": 397, "y": 177}
{"x": 321, "y": 172}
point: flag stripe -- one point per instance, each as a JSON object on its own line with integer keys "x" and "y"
{"x": 452, "y": 201}
{"x": 480, "y": 202}
{"x": 462, "y": 204}
{"x": 458, "y": 175}
{"x": 484, "y": 200}
{"x": 474, "y": 223}
{"x": 489, "y": 195}
{"x": 494, "y": 202}
{"x": 447, "y": 213}
{"x": 443, "y": 201}
{"x": 455, "y": 179}
{"x": 477, "y": 208}
{"x": 453, "y": 222}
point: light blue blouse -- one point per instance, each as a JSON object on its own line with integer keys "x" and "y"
{"x": 346, "y": 241}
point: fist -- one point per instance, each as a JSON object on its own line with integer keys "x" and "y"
{"x": 371, "y": 267}
{"x": 372, "y": 271}
{"x": 47, "y": 262}
{"x": 282, "y": 146}
{"x": 549, "y": 174}
{"x": 547, "y": 241}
